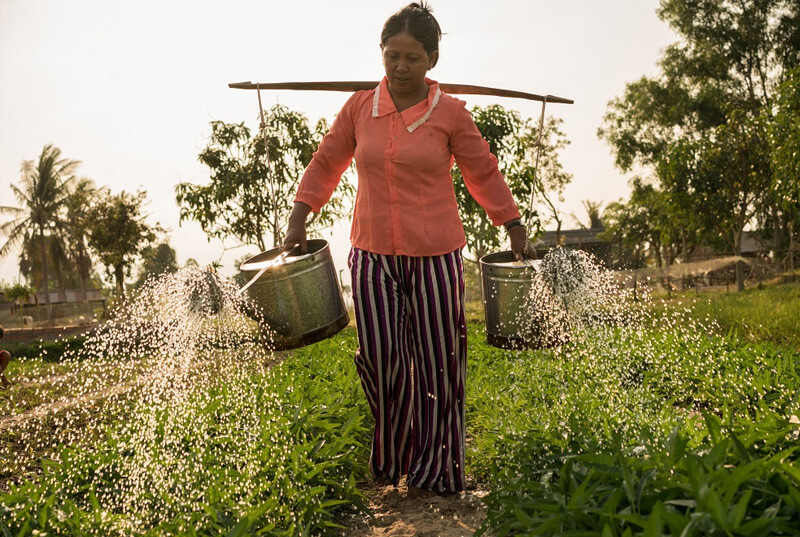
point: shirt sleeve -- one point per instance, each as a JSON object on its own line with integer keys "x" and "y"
{"x": 330, "y": 160}
{"x": 479, "y": 168}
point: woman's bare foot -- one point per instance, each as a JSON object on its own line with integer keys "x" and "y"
{"x": 382, "y": 480}
{"x": 416, "y": 492}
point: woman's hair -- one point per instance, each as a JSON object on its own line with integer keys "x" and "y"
{"x": 416, "y": 19}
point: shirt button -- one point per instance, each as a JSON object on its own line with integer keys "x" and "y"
{"x": 395, "y": 137}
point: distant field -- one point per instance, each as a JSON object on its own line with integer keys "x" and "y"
{"x": 768, "y": 312}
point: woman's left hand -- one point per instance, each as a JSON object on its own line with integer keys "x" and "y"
{"x": 520, "y": 245}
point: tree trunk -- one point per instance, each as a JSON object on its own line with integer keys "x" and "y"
{"x": 777, "y": 236}
{"x": 737, "y": 250}
{"x": 119, "y": 277}
{"x": 558, "y": 232}
{"x": 84, "y": 285}
{"x": 790, "y": 253}
{"x": 45, "y": 277}
{"x": 684, "y": 247}
{"x": 83, "y": 272}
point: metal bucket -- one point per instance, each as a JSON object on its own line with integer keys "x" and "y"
{"x": 296, "y": 295}
{"x": 506, "y": 286}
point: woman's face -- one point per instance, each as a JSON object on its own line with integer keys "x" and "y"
{"x": 406, "y": 64}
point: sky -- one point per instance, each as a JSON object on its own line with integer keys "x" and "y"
{"x": 129, "y": 87}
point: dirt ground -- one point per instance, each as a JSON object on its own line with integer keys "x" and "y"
{"x": 396, "y": 515}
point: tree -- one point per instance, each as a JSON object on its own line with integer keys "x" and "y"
{"x": 57, "y": 262}
{"x": 785, "y": 158}
{"x": 735, "y": 164}
{"x": 640, "y": 228}
{"x": 156, "y": 260}
{"x": 18, "y": 294}
{"x": 118, "y": 233}
{"x": 715, "y": 85}
{"x": 251, "y": 189}
{"x": 746, "y": 50}
{"x": 594, "y": 210}
{"x": 513, "y": 141}
{"x": 78, "y": 206}
{"x": 43, "y": 190}
{"x": 626, "y": 231}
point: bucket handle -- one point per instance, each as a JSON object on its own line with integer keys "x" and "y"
{"x": 536, "y": 163}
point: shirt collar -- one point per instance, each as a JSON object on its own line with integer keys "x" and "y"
{"x": 382, "y": 104}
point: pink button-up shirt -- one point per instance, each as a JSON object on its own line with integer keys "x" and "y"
{"x": 405, "y": 202}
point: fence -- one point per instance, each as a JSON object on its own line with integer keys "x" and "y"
{"x": 67, "y": 307}
{"x": 713, "y": 272}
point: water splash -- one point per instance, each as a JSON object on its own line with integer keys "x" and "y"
{"x": 141, "y": 377}
{"x": 618, "y": 365}
{"x": 569, "y": 292}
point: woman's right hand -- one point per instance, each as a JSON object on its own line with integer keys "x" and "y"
{"x": 521, "y": 247}
{"x": 296, "y": 228}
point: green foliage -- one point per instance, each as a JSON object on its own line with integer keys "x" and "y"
{"x": 786, "y": 139}
{"x": 643, "y": 227}
{"x": 642, "y": 123}
{"x": 701, "y": 126}
{"x": 250, "y": 192}
{"x": 82, "y": 197}
{"x": 672, "y": 428}
{"x": 290, "y": 473}
{"x": 667, "y": 429}
{"x": 513, "y": 141}
{"x": 157, "y": 260}
{"x": 47, "y": 351}
{"x": 594, "y": 211}
{"x": 731, "y": 486}
{"x": 118, "y": 233}
{"x": 771, "y": 313}
{"x": 18, "y": 294}
{"x": 785, "y": 156}
{"x": 733, "y": 176}
{"x": 43, "y": 190}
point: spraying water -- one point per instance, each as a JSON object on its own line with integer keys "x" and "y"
{"x": 569, "y": 292}
{"x": 143, "y": 375}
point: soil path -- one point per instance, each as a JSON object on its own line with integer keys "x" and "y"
{"x": 397, "y": 515}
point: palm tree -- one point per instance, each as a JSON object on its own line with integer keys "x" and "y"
{"x": 78, "y": 205}
{"x": 594, "y": 212}
{"x": 42, "y": 192}
{"x": 58, "y": 264}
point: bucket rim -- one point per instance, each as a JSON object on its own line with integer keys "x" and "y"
{"x": 506, "y": 259}
{"x": 267, "y": 258}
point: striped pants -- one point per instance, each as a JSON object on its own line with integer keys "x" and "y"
{"x": 412, "y": 364}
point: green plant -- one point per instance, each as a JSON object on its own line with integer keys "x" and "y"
{"x": 48, "y": 351}
{"x": 731, "y": 485}
{"x": 275, "y": 452}
{"x": 658, "y": 427}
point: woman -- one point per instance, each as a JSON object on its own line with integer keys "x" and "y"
{"x": 405, "y": 260}
{"x": 5, "y": 359}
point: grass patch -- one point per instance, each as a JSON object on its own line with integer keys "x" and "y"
{"x": 764, "y": 313}
{"x": 663, "y": 428}
{"x": 684, "y": 425}
{"x": 267, "y": 452}
{"x": 26, "y": 370}
{"x": 47, "y": 351}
